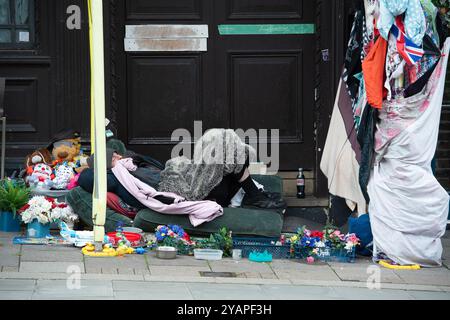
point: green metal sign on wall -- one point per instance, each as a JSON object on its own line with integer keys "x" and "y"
{"x": 257, "y": 29}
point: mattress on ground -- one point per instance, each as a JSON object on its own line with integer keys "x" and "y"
{"x": 242, "y": 221}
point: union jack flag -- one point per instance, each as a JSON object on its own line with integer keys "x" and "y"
{"x": 411, "y": 52}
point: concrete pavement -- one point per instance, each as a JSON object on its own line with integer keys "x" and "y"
{"x": 47, "y": 272}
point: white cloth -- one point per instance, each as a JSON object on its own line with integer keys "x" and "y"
{"x": 408, "y": 207}
{"x": 339, "y": 162}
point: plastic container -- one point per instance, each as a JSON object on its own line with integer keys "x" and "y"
{"x": 260, "y": 257}
{"x": 134, "y": 238}
{"x": 248, "y": 245}
{"x": 208, "y": 254}
{"x": 9, "y": 223}
{"x": 328, "y": 254}
{"x": 36, "y": 229}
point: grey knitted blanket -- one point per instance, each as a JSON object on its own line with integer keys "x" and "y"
{"x": 217, "y": 153}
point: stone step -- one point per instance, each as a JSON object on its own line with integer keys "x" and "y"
{"x": 307, "y": 202}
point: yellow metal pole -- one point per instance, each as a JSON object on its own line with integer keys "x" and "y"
{"x": 98, "y": 137}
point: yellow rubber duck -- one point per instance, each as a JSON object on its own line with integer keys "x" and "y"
{"x": 108, "y": 251}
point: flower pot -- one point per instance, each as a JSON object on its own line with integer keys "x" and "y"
{"x": 9, "y": 223}
{"x": 36, "y": 229}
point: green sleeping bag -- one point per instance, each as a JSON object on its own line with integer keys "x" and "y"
{"x": 241, "y": 221}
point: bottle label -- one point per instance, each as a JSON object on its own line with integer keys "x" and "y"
{"x": 300, "y": 182}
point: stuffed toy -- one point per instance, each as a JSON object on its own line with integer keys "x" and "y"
{"x": 66, "y": 149}
{"x": 63, "y": 175}
{"x": 38, "y": 156}
{"x": 41, "y": 177}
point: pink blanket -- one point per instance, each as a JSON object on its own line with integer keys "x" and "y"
{"x": 198, "y": 211}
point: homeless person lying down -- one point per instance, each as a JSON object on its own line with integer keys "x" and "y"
{"x": 200, "y": 187}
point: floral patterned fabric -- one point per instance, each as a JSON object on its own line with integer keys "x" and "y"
{"x": 414, "y": 18}
{"x": 408, "y": 207}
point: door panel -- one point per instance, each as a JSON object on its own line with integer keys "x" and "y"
{"x": 164, "y": 9}
{"x": 260, "y": 82}
{"x": 164, "y": 95}
{"x": 265, "y": 9}
{"x": 243, "y": 81}
{"x": 265, "y": 76}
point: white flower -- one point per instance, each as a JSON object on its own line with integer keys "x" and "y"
{"x": 349, "y": 246}
{"x": 320, "y": 244}
{"x": 41, "y": 210}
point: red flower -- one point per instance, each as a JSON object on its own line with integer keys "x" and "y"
{"x": 186, "y": 237}
{"x": 25, "y": 207}
{"x": 52, "y": 200}
{"x": 316, "y": 234}
{"x": 62, "y": 205}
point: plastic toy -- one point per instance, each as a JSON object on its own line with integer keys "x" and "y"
{"x": 390, "y": 265}
{"x": 140, "y": 251}
{"x": 77, "y": 238}
{"x": 260, "y": 256}
{"x": 108, "y": 251}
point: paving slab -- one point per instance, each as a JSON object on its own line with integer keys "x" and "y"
{"x": 216, "y": 291}
{"x": 228, "y": 265}
{"x": 308, "y": 272}
{"x": 16, "y": 295}
{"x": 140, "y": 290}
{"x": 17, "y": 285}
{"x": 50, "y": 267}
{"x": 52, "y": 248}
{"x": 52, "y": 289}
{"x": 129, "y": 264}
{"x": 179, "y": 261}
{"x": 9, "y": 269}
{"x": 179, "y": 278}
{"x": 426, "y": 276}
{"x": 424, "y": 295}
{"x": 9, "y": 256}
{"x": 8, "y": 236}
{"x": 367, "y": 294}
{"x": 51, "y": 256}
{"x": 364, "y": 272}
{"x": 290, "y": 292}
{"x": 177, "y": 271}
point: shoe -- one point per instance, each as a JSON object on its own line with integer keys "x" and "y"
{"x": 264, "y": 201}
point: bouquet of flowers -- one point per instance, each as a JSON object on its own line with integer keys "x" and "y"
{"x": 46, "y": 210}
{"x": 314, "y": 243}
{"x": 173, "y": 236}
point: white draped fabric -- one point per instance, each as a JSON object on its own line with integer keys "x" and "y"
{"x": 408, "y": 207}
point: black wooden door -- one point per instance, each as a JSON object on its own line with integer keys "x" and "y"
{"x": 46, "y": 72}
{"x": 259, "y": 78}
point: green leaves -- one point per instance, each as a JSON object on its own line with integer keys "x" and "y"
{"x": 13, "y": 195}
{"x": 221, "y": 240}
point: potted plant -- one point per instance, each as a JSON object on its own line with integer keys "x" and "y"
{"x": 41, "y": 211}
{"x": 13, "y": 196}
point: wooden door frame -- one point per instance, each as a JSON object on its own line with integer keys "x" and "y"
{"x": 329, "y": 35}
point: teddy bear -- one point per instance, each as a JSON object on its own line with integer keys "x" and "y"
{"x": 66, "y": 149}
{"x": 41, "y": 177}
{"x": 42, "y": 155}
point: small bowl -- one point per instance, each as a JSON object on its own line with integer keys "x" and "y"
{"x": 133, "y": 230}
{"x": 166, "y": 253}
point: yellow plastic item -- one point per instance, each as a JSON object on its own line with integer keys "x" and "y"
{"x": 386, "y": 264}
{"x": 108, "y": 251}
